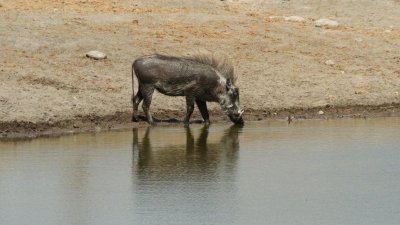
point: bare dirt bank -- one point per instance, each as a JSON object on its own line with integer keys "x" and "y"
{"x": 47, "y": 85}
{"x": 94, "y": 123}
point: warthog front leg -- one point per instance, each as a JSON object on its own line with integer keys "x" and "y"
{"x": 203, "y": 110}
{"x": 189, "y": 109}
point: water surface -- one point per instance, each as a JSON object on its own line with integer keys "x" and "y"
{"x": 309, "y": 172}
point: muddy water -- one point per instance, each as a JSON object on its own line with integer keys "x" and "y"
{"x": 310, "y": 172}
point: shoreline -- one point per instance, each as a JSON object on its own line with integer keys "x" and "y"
{"x": 15, "y": 130}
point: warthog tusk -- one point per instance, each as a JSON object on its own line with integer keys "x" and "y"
{"x": 241, "y": 112}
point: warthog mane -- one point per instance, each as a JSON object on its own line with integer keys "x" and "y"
{"x": 221, "y": 63}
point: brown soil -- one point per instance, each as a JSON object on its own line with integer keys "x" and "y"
{"x": 48, "y": 86}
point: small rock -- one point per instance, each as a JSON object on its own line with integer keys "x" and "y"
{"x": 326, "y": 23}
{"x": 396, "y": 93}
{"x": 96, "y": 55}
{"x": 330, "y": 62}
{"x": 75, "y": 126}
{"x": 359, "y": 39}
{"x": 342, "y": 72}
{"x": 360, "y": 91}
{"x": 295, "y": 19}
{"x": 275, "y": 17}
{"x": 320, "y": 112}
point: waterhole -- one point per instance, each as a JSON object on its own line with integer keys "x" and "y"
{"x": 307, "y": 172}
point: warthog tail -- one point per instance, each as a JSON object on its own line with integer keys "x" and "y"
{"x": 133, "y": 73}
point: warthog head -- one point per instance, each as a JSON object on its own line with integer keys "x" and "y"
{"x": 230, "y": 103}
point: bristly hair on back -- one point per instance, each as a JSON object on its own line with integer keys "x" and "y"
{"x": 220, "y": 63}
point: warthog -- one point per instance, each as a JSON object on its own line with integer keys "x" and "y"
{"x": 200, "y": 78}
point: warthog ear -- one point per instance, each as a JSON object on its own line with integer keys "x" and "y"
{"x": 228, "y": 84}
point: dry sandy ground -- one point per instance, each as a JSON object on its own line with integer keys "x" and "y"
{"x": 47, "y": 82}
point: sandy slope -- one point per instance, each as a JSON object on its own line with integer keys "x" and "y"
{"x": 45, "y": 76}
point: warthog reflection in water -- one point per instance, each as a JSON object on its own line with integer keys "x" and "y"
{"x": 192, "y": 155}
{"x": 200, "y": 78}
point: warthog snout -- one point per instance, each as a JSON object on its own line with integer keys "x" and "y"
{"x": 237, "y": 117}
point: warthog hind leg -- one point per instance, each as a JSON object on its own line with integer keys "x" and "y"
{"x": 147, "y": 93}
{"x": 136, "y": 99}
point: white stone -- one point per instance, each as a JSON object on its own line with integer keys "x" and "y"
{"x": 276, "y": 17}
{"x": 326, "y": 23}
{"x": 295, "y": 19}
{"x": 330, "y": 62}
{"x": 359, "y": 39}
{"x": 97, "y": 129}
{"x": 321, "y": 112}
{"x": 96, "y": 55}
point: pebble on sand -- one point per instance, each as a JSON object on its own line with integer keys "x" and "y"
{"x": 321, "y": 112}
{"x": 295, "y": 19}
{"x": 326, "y": 23}
{"x": 96, "y": 55}
{"x": 330, "y": 62}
